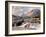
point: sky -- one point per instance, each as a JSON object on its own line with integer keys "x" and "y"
{"x": 21, "y": 10}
